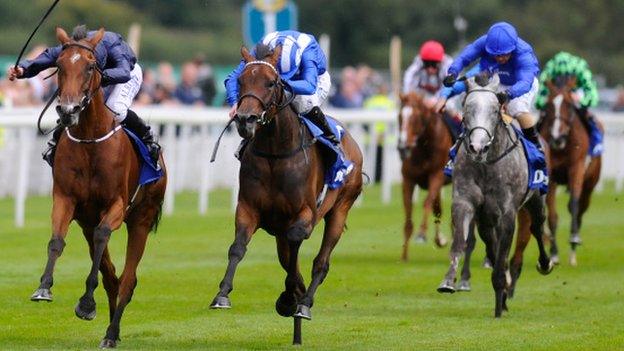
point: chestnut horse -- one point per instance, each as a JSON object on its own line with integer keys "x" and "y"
{"x": 281, "y": 185}
{"x": 425, "y": 141}
{"x": 96, "y": 174}
{"x": 568, "y": 138}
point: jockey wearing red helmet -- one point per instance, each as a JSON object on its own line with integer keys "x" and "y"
{"x": 426, "y": 73}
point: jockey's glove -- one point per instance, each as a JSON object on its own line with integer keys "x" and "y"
{"x": 503, "y": 97}
{"x": 449, "y": 80}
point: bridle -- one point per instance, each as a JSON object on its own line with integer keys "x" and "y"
{"x": 88, "y": 94}
{"x": 491, "y": 137}
{"x": 278, "y": 85}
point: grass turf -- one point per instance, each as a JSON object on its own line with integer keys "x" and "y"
{"x": 369, "y": 301}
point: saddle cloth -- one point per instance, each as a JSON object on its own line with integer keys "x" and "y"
{"x": 150, "y": 172}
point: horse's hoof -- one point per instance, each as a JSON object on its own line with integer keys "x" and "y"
{"x": 575, "y": 239}
{"x": 41, "y": 295}
{"x": 420, "y": 239}
{"x": 573, "y": 262}
{"x": 284, "y": 307}
{"x": 303, "y": 311}
{"x": 84, "y": 314}
{"x": 486, "y": 263}
{"x": 221, "y": 302}
{"x": 554, "y": 259}
{"x": 440, "y": 241}
{"x": 464, "y": 285}
{"x": 547, "y": 270}
{"x": 108, "y": 344}
{"x": 446, "y": 287}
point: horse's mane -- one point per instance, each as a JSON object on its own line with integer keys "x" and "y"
{"x": 263, "y": 50}
{"x": 80, "y": 32}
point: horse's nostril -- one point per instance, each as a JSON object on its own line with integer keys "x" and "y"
{"x": 485, "y": 148}
{"x": 472, "y": 147}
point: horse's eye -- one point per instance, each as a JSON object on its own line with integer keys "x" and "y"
{"x": 270, "y": 84}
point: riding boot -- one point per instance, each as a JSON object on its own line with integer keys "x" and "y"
{"x": 144, "y": 132}
{"x": 318, "y": 118}
{"x": 48, "y": 155}
{"x": 532, "y": 135}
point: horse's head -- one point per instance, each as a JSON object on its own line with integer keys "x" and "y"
{"x": 559, "y": 111}
{"x": 414, "y": 116}
{"x": 482, "y": 113}
{"x": 78, "y": 79}
{"x": 260, "y": 88}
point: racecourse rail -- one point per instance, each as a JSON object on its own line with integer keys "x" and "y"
{"x": 188, "y": 135}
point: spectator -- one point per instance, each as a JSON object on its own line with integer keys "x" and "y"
{"x": 348, "y": 94}
{"x": 205, "y": 79}
{"x": 188, "y": 92}
{"x": 618, "y": 106}
{"x": 148, "y": 88}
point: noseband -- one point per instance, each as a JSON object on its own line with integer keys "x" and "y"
{"x": 279, "y": 84}
{"x": 471, "y": 130}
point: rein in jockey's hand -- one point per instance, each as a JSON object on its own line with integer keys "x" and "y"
{"x": 15, "y": 72}
{"x": 440, "y": 105}
{"x": 232, "y": 112}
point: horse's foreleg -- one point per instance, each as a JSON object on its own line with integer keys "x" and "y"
{"x": 553, "y": 220}
{"x": 499, "y": 277}
{"x": 408, "y": 227}
{"x": 464, "y": 283}
{"x": 138, "y": 229}
{"x": 575, "y": 183}
{"x": 286, "y": 304}
{"x": 462, "y": 217}
{"x": 592, "y": 175}
{"x": 435, "y": 186}
{"x": 109, "y": 279}
{"x": 111, "y": 220}
{"x": 62, "y": 214}
{"x": 334, "y": 226}
{"x": 246, "y": 225}
{"x": 522, "y": 240}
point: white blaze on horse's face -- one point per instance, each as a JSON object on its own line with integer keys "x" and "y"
{"x": 406, "y": 114}
{"x": 556, "y": 127}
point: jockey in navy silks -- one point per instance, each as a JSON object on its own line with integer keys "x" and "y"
{"x": 121, "y": 79}
{"x": 303, "y": 67}
{"x": 502, "y": 52}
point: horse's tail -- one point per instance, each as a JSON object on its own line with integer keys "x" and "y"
{"x": 156, "y": 220}
{"x": 366, "y": 179}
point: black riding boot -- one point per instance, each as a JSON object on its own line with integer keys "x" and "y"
{"x": 143, "y": 131}
{"x": 318, "y": 118}
{"x": 48, "y": 155}
{"x": 533, "y": 136}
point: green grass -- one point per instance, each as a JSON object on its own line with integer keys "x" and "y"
{"x": 369, "y": 301}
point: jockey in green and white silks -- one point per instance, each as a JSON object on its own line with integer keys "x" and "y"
{"x": 565, "y": 65}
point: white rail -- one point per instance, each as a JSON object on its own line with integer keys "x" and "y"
{"x": 188, "y": 135}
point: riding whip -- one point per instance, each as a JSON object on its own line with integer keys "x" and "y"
{"x": 35, "y": 31}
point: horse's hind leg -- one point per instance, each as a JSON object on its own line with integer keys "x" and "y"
{"x": 101, "y": 234}
{"x": 553, "y": 220}
{"x": 535, "y": 206}
{"x": 575, "y": 176}
{"x": 246, "y": 224}
{"x": 286, "y": 304}
{"x": 138, "y": 230}
{"x": 499, "y": 278}
{"x": 464, "y": 283}
{"x": 334, "y": 226}
{"x": 408, "y": 227}
{"x": 62, "y": 213}
{"x": 439, "y": 240}
{"x": 522, "y": 240}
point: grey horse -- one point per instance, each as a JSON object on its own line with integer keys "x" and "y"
{"x": 490, "y": 182}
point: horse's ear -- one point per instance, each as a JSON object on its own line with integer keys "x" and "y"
{"x": 62, "y": 36}
{"x": 494, "y": 82}
{"x": 571, "y": 83}
{"x": 402, "y": 97}
{"x": 246, "y": 55}
{"x": 470, "y": 83}
{"x": 550, "y": 85}
{"x": 275, "y": 57}
{"x": 97, "y": 37}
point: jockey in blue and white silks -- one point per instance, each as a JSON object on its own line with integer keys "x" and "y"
{"x": 303, "y": 67}
{"x": 501, "y": 51}
{"x": 121, "y": 80}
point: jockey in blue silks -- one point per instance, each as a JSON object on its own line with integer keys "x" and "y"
{"x": 121, "y": 79}
{"x": 501, "y": 51}
{"x": 303, "y": 67}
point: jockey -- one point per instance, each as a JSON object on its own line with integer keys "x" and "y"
{"x": 427, "y": 71}
{"x": 305, "y": 72}
{"x": 121, "y": 79}
{"x": 502, "y": 51}
{"x": 585, "y": 95}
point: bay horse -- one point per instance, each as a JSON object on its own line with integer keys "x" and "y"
{"x": 425, "y": 141}
{"x": 96, "y": 174}
{"x": 490, "y": 185}
{"x": 281, "y": 181}
{"x": 568, "y": 138}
